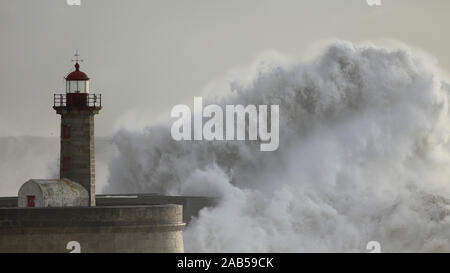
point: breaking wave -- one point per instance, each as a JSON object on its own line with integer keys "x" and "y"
{"x": 364, "y": 155}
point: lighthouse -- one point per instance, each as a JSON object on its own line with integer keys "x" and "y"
{"x": 52, "y": 214}
{"x": 77, "y": 108}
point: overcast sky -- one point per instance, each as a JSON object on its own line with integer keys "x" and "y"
{"x": 146, "y": 56}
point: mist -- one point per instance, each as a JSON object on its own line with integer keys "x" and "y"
{"x": 363, "y": 156}
{"x": 27, "y": 157}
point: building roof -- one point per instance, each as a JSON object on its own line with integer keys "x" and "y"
{"x": 77, "y": 75}
{"x": 53, "y": 184}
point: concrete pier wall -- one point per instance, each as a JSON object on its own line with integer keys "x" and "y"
{"x": 96, "y": 229}
{"x": 191, "y": 204}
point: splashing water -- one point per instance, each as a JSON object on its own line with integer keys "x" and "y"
{"x": 364, "y": 155}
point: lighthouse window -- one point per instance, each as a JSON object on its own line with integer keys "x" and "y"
{"x": 65, "y": 163}
{"x": 82, "y": 86}
{"x": 65, "y": 131}
{"x": 77, "y": 86}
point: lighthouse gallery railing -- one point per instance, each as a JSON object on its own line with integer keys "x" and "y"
{"x": 78, "y": 99}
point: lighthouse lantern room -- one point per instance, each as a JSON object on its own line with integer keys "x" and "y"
{"x": 77, "y": 81}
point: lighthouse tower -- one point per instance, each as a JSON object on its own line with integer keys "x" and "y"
{"x": 77, "y": 108}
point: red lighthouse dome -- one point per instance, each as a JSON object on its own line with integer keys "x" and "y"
{"x": 77, "y": 75}
{"x": 77, "y": 81}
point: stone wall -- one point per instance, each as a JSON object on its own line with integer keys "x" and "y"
{"x": 191, "y": 204}
{"x": 96, "y": 229}
{"x": 77, "y": 147}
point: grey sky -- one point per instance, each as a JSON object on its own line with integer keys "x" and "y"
{"x": 146, "y": 56}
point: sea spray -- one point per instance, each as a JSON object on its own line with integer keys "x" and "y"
{"x": 363, "y": 156}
